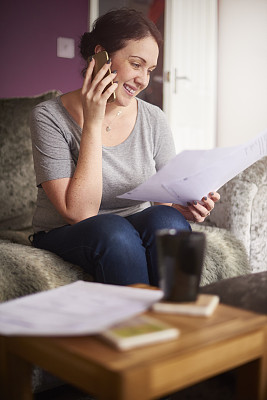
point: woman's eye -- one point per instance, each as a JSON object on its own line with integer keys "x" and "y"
{"x": 136, "y": 65}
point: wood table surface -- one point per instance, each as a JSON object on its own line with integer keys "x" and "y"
{"x": 207, "y": 346}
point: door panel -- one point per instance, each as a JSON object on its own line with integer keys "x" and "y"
{"x": 190, "y": 64}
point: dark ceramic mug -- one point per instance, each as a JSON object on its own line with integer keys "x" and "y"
{"x": 180, "y": 263}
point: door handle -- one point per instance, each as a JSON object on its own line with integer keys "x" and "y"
{"x": 178, "y": 78}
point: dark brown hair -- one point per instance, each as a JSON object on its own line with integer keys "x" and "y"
{"x": 113, "y": 29}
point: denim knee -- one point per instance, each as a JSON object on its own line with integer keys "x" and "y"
{"x": 108, "y": 228}
{"x": 166, "y": 217}
{"x": 117, "y": 252}
{"x": 159, "y": 217}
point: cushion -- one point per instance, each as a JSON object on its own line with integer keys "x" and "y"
{"x": 242, "y": 211}
{"x": 25, "y": 270}
{"x": 225, "y": 255}
{"x": 17, "y": 178}
{"x": 247, "y": 292}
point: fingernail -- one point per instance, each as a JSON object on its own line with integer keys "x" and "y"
{"x": 116, "y": 82}
{"x": 90, "y": 59}
{"x": 109, "y": 61}
{"x": 114, "y": 72}
{"x": 211, "y": 193}
{"x": 195, "y": 202}
{"x": 205, "y": 198}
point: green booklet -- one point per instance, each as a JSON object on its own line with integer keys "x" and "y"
{"x": 139, "y": 331}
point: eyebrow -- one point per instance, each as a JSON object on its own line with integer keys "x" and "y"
{"x": 144, "y": 61}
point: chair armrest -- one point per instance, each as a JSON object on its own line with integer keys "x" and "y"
{"x": 242, "y": 210}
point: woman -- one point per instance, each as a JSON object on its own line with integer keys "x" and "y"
{"x": 87, "y": 151}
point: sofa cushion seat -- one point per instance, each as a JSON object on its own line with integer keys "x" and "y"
{"x": 225, "y": 255}
{"x": 26, "y": 270}
{"x": 248, "y": 292}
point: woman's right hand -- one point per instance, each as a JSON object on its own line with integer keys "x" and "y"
{"x": 94, "y": 95}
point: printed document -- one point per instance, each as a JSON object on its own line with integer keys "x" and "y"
{"x": 79, "y": 308}
{"x": 192, "y": 174}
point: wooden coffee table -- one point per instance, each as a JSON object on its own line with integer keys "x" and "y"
{"x": 231, "y": 338}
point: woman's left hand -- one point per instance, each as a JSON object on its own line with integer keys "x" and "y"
{"x": 198, "y": 211}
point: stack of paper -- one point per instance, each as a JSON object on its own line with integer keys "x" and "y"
{"x": 75, "y": 309}
{"x": 192, "y": 174}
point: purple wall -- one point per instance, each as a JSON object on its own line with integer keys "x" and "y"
{"x": 28, "y": 44}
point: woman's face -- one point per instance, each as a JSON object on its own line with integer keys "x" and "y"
{"x": 134, "y": 64}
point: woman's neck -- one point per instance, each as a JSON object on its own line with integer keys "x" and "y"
{"x": 72, "y": 101}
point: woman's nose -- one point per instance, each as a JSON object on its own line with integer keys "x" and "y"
{"x": 142, "y": 78}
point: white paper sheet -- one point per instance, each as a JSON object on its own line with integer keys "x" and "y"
{"x": 75, "y": 309}
{"x": 192, "y": 174}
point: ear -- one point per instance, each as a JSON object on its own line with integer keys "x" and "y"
{"x": 98, "y": 48}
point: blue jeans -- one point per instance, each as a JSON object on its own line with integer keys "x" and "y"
{"x": 114, "y": 249}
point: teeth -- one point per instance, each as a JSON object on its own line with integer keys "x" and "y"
{"x": 129, "y": 89}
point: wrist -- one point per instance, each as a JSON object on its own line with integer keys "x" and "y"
{"x": 93, "y": 126}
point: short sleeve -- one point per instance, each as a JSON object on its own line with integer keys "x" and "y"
{"x": 51, "y": 148}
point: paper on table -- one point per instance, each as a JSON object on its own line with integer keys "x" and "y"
{"x": 75, "y": 309}
{"x": 192, "y": 174}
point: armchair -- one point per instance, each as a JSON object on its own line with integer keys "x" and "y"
{"x": 236, "y": 230}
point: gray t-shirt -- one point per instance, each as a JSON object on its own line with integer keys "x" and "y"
{"x": 56, "y": 142}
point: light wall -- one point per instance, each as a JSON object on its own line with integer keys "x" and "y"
{"x": 242, "y": 73}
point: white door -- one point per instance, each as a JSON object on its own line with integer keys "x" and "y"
{"x": 190, "y": 72}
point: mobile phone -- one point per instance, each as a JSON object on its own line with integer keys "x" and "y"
{"x": 101, "y": 59}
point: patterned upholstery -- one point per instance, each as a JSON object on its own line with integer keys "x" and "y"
{"x": 242, "y": 211}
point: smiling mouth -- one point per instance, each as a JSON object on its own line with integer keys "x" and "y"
{"x": 129, "y": 90}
